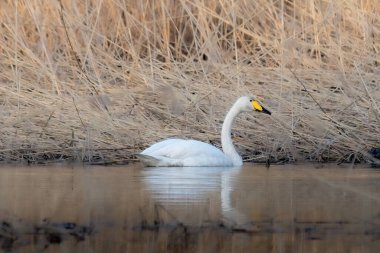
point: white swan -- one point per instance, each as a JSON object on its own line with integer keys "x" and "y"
{"x": 185, "y": 153}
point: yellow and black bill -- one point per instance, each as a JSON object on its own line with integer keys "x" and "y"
{"x": 266, "y": 111}
{"x": 258, "y": 107}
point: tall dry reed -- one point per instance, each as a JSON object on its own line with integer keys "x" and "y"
{"x": 99, "y": 80}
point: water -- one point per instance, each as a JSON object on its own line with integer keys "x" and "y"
{"x": 290, "y": 208}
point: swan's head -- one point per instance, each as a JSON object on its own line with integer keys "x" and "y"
{"x": 248, "y": 104}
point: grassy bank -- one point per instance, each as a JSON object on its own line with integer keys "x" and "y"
{"x": 99, "y": 80}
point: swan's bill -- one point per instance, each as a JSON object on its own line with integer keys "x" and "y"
{"x": 256, "y": 105}
{"x": 266, "y": 111}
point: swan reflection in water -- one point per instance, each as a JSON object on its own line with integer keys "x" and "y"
{"x": 180, "y": 186}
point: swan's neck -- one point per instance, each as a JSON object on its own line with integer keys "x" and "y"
{"x": 227, "y": 145}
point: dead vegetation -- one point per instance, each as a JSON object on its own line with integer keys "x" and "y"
{"x": 99, "y": 80}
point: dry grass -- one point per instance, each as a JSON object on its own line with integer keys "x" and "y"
{"x": 99, "y": 80}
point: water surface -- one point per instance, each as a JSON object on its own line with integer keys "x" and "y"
{"x": 290, "y": 208}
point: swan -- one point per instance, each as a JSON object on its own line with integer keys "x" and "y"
{"x": 193, "y": 153}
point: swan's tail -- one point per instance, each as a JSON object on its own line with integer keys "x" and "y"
{"x": 158, "y": 161}
{"x": 148, "y": 160}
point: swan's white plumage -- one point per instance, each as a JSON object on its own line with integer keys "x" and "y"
{"x": 192, "y": 153}
{"x": 187, "y": 153}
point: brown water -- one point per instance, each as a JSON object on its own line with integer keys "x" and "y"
{"x": 291, "y": 208}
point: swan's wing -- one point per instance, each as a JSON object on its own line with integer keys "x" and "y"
{"x": 161, "y": 145}
{"x": 181, "y": 149}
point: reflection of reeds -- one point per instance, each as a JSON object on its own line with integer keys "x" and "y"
{"x": 101, "y": 80}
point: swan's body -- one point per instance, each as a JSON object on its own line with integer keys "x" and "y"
{"x": 185, "y": 153}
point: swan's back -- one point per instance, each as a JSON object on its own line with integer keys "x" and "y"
{"x": 179, "y": 152}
